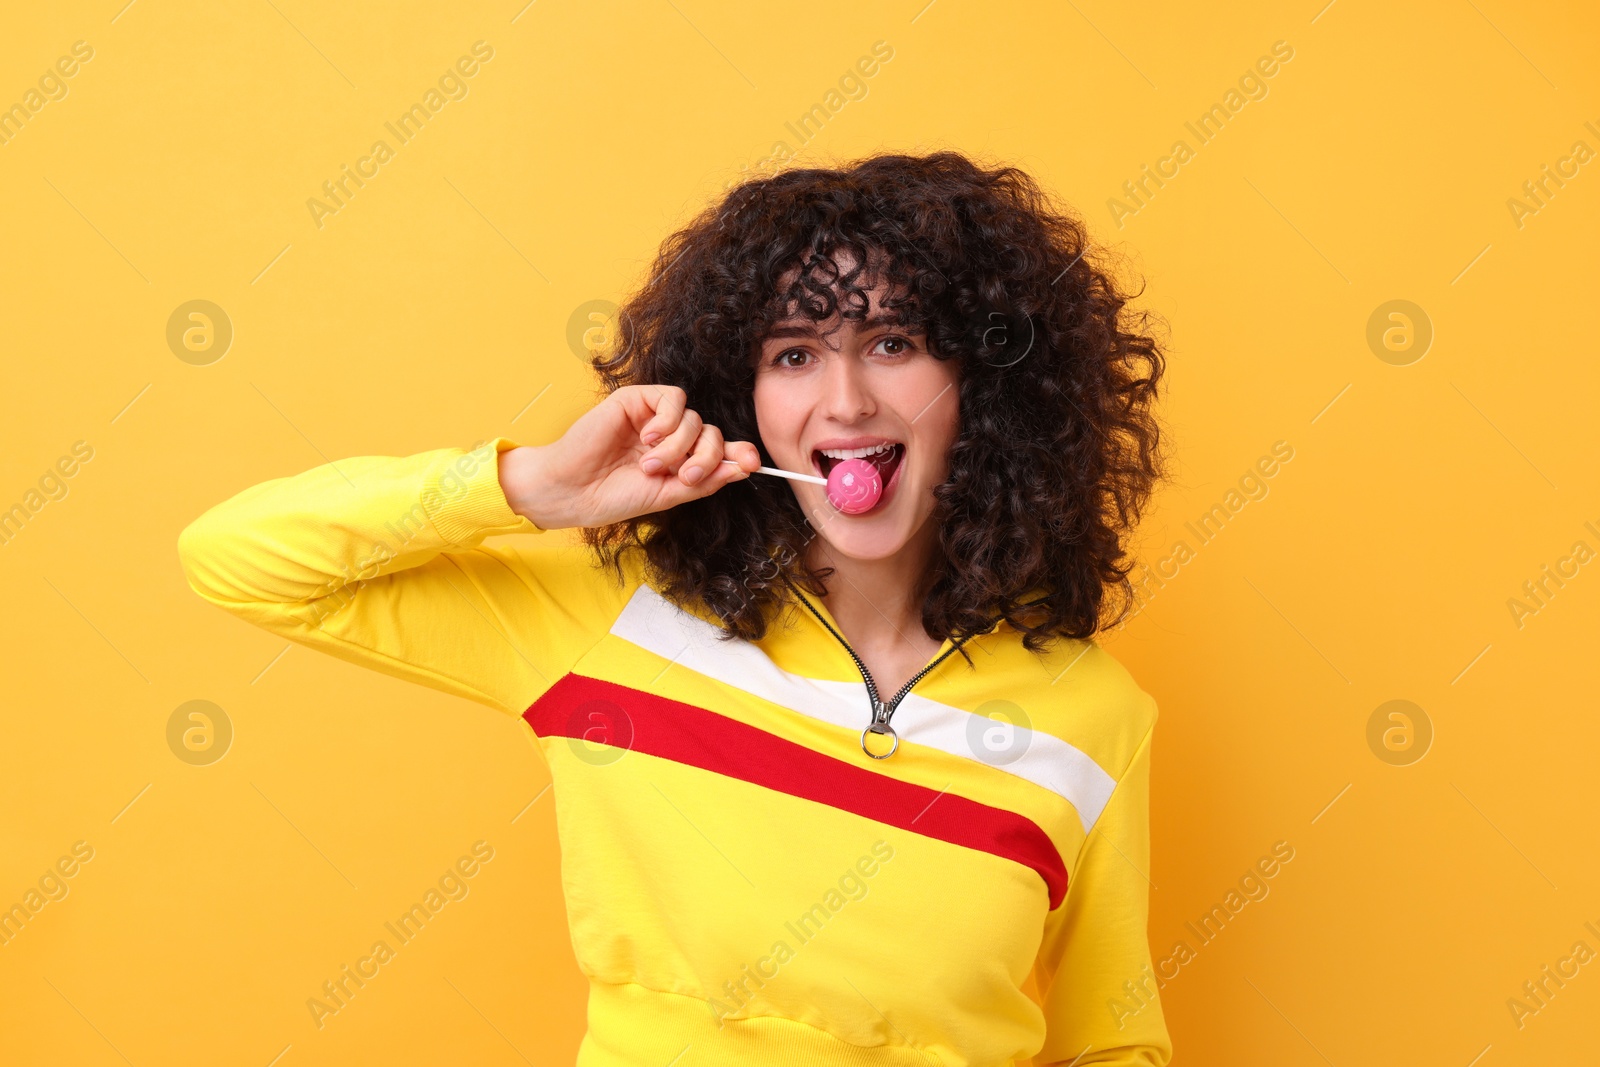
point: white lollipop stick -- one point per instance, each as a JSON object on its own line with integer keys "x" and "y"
{"x": 784, "y": 474}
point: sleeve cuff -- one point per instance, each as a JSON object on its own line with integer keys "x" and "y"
{"x": 462, "y": 496}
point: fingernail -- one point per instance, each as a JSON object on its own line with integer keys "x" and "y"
{"x": 691, "y": 474}
{"x": 653, "y": 464}
{"x": 651, "y": 438}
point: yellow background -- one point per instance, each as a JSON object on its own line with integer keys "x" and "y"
{"x": 434, "y": 309}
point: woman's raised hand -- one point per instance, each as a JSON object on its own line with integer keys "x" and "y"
{"x": 640, "y": 450}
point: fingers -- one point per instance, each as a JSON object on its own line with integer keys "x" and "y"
{"x": 676, "y": 446}
{"x": 712, "y": 464}
{"x": 683, "y": 444}
{"x": 669, "y": 402}
{"x": 728, "y": 462}
{"x": 706, "y": 457}
{"x": 718, "y": 461}
{"x": 715, "y": 462}
{"x": 747, "y": 455}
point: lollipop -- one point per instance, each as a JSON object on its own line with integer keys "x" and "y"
{"x": 854, "y": 485}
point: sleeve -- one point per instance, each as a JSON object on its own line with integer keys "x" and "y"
{"x": 378, "y": 560}
{"x": 1098, "y": 989}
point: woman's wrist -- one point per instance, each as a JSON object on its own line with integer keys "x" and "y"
{"x": 525, "y": 485}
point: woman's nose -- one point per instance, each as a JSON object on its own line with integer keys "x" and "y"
{"x": 846, "y": 393}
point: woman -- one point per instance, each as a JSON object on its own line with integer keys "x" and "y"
{"x": 796, "y": 826}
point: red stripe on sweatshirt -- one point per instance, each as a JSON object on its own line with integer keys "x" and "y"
{"x": 692, "y": 735}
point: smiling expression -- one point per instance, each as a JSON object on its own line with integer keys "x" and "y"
{"x": 867, "y": 388}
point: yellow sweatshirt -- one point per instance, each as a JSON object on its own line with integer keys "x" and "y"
{"x": 744, "y": 884}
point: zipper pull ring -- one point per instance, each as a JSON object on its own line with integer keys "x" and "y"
{"x": 880, "y": 725}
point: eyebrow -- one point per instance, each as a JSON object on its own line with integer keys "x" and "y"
{"x": 887, "y": 318}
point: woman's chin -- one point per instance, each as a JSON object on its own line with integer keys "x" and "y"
{"x": 862, "y": 544}
{"x": 874, "y": 535}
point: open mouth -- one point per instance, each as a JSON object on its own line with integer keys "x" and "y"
{"x": 888, "y": 462}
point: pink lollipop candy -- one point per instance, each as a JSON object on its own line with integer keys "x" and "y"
{"x": 854, "y": 486}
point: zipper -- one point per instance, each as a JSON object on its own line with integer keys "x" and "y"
{"x": 881, "y": 710}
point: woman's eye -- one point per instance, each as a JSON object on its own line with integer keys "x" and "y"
{"x": 895, "y": 339}
{"x": 781, "y": 359}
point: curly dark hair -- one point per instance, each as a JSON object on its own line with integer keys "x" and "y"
{"x": 1058, "y": 448}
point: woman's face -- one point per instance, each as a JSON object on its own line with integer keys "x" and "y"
{"x": 862, "y": 383}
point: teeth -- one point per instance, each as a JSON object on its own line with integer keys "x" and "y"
{"x": 855, "y": 453}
